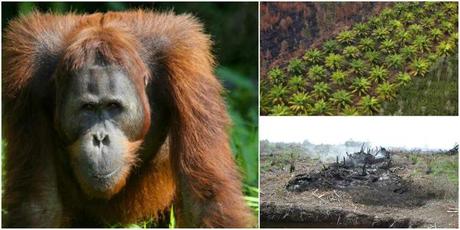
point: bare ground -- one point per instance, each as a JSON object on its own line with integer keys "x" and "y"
{"x": 428, "y": 203}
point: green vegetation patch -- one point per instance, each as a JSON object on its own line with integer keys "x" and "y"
{"x": 403, "y": 61}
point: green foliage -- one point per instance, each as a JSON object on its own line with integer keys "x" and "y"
{"x": 360, "y": 85}
{"x": 300, "y": 103}
{"x": 415, "y": 29}
{"x": 334, "y": 61}
{"x": 361, "y": 29}
{"x": 378, "y": 74}
{"x": 403, "y": 78}
{"x": 446, "y": 168}
{"x": 280, "y": 110}
{"x": 346, "y": 37}
{"x": 277, "y": 94}
{"x": 419, "y": 67}
{"x": 313, "y": 56}
{"x": 351, "y": 52}
{"x": 321, "y": 107}
{"x": 321, "y": 90}
{"x": 296, "y": 83}
{"x": 369, "y": 105}
{"x": 341, "y": 98}
{"x": 386, "y": 91}
{"x": 381, "y": 33}
{"x": 388, "y": 46}
{"x": 376, "y": 63}
{"x": 434, "y": 94}
{"x": 372, "y": 57}
{"x": 330, "y": 46}
{"x": 445, "y": 48}
{"x": 421, "y": 43}
{"x": 408, "y": 52}
{"x": 358, "y": 66}
{"x": 403, "y": 36}
{"x": 394, "y": 61}
{"x": 339, "y": 77}
{"x": 396, "y": 24}
{"x": 276, "y": 75}
{"x": 295, "y": 66}
{"x": 316, "y": 72}
{"x": 350, "y": 111}
{"x": 436, "y": 34}
{"x": 367, "y": 44}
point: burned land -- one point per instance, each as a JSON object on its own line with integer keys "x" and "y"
{"x": 368, "y": 188}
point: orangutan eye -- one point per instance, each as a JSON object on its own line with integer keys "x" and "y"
{"x": 114, "y": 105}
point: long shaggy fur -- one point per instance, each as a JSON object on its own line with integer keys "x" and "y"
{"x": 185, "y": 159}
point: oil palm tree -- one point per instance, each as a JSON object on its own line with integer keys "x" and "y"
{"x": 400, "y": 7}
{"x": 396, "y": 24}
{"x": 388, "y": 46}
{"x": 321, "y": 107}
{"x": 350, "y": 110}
{"x": 280, "y": 110}
{"x": 360, "y": 85}
{"x": 372, "y": 56}
{"x": 339, "y": 77}
{"x": 346, "y": 37}
{"x": 436, "y": 34}
{"x": 429, "y": 22}
{"x": 445, "y": 48}
{"x": 351, "y": 52}
{"x": 421, "y": 43}
{"x": 277, "y": 94}
{"x": 367, "y": 44}
{"x": 330, "y": 46}
{"x": 361, "y": 29}
{"x": 415, "y": 29}
{"x": 408, "y": 52}
{"x": 408, "y": 17}
{"x": 316, "y": 72}
{"x": 387, "y": 13}
{"x": 321, "y": 90}
{"x": 454, "y": 38}
{"x": 295, "y": 66}
{"x": 300, "y": 103}
{"x": 334, "y": 61}
{"x": 341, "y": 99}
{"x": 403, "y": 78}
{"x": 394, "y": 61}
{"x": 386, "y": 91}
{"x": 296, "y": 83}
{"x": 381, "y": 33}
{"x": 378, "y": 73}
{"x": 432, "y": 57}
{"x": 403, "y": 36}
{"x": 313, "y": 56}
{"x": 358, "y": 66}
{"x": 369, "y": 105}
{"x": 447, "y": 26}
{"x": 376, "y": 22}
{"x": 276, "y": 75}
{"x": 419, "y": 67}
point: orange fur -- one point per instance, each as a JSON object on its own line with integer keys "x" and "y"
{"x": 185, "y": 158}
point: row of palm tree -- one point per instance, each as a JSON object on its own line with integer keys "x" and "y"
{"x": 363, "y": 66}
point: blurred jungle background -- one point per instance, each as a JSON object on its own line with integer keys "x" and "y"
{"x": 233, "y": 27}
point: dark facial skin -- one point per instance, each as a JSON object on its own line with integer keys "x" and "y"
{"x": 100, "y": 114}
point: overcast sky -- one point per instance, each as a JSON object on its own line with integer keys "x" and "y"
{"x": 408, "y": 132}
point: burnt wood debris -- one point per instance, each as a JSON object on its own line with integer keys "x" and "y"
{"x": 371, "y": 167}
